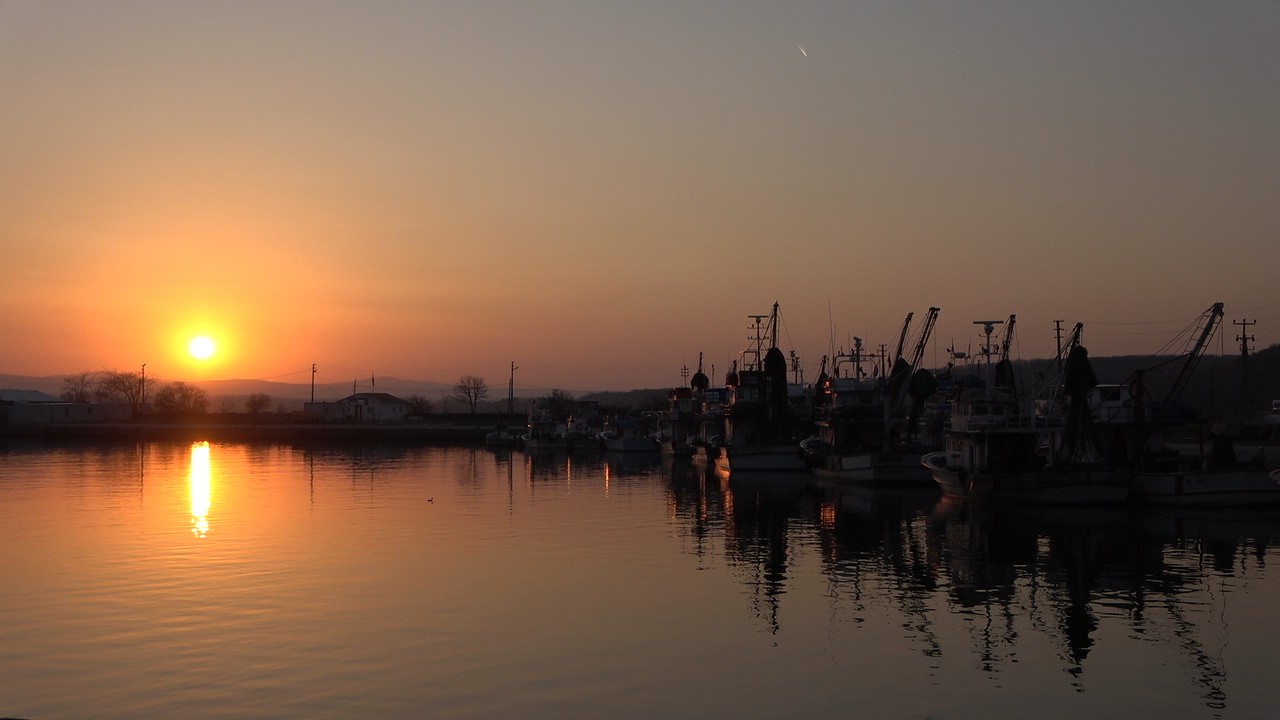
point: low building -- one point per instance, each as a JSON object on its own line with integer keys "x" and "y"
{"x": 62, "y": 413}
{"x": 371, "y": 407}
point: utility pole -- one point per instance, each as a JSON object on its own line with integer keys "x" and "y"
{"x": 313, "y": 383}
{"x": 143, "y": 392}
{"x": 511, "y": 389}
{"x": 1057, "y": 334}
{"x": 1244, "y": 340}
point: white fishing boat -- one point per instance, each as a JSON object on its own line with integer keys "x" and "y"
{"x": 1210, "y": 473}
{"x": 997, "y": 451}
{"x": 1241, "y": 486}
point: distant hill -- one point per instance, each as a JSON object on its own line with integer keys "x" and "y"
{"x": 25, "y": 396}
{"x": 1214, "y": 390}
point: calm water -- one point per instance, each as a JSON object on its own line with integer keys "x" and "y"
{"x": 166, "y": 581}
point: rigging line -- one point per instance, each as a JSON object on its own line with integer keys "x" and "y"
{"x": 282, "y": 375}
{"x": 1142, "y": 322}
{"x": 1117, "y": 333}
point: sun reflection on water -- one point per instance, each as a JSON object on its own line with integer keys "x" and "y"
{"x": 201, "y": 489}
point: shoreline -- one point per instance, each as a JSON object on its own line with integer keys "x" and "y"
{"x": 283, "y": 433}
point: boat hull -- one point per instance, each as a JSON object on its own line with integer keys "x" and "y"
{"x": 879, "y": 469}
{"x": 1231, "y": 487}
{"x": 776, "y": 457}
{"x": 630, "y": 444}
{"x": 1058, "y": 486}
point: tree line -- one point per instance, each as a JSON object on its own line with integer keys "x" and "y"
{"x": 180, "y": 398}
{"x": 136, "y": 389}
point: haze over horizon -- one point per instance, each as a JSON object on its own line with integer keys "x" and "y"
{"x": 600, "y": 192}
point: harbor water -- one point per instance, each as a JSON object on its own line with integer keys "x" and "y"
{"x": 165, "y": 580}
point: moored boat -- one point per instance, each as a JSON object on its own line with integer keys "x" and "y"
{"x": 1246, "y": 486}
{"x": 863, "y": 435}
{"x": 759, "y": 421}
{"x": 1210, "y": 473}
{"x": 997, "y": 451}
{"x": 626, "y": 434}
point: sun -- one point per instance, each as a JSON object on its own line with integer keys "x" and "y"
{"x": 202, "y": 347}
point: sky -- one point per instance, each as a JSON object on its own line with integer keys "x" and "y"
{"x": 602, "y": 191}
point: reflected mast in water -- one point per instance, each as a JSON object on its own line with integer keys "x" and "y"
{"x": 201, "y": 489}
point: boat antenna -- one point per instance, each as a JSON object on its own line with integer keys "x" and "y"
{"x": 988, "y": 329}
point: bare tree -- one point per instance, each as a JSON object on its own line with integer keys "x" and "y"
{"x": 419, "y": 405}
{"x": 128, "y": 388}
{"x": 78, "y": 388}
{"x": 558, "y": 402}
{"x": 257, "y": 403}
{"x": 179, "y": 398}
{"x": 470, "y": 390}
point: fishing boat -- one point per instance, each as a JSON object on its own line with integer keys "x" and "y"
{"x": 1198, "y": 474}
{"x": 626, "y": 434}
{"x": 677, "y": 427}
{"x": 995, "y": 450}
{"x": 1191, "y": 484}
{"x": 863, "y": 435}
{"x": 759, "y": 420}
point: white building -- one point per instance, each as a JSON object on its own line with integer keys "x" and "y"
{"x": 371, "y": 407}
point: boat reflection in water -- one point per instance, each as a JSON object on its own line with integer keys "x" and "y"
{"x": 992, "y": 583}
{"x": 456, "y": 582}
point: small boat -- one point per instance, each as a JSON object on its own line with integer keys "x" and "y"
{"x": 1238, "y": 486}
{"x": 500, "y": 437}
{"x": 626, "y": 434}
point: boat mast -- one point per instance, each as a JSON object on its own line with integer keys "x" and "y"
{"x": 773, "y": 326}
{"x": 988, "y": 328}
{"x": 757, "y": 325}
{"x": 511, "y": 390}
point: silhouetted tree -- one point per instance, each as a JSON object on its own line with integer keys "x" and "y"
{"x": 114, "y": 386}
{"x": 470, "y": 390}
{"x": 419, "y": 405}
{"x": 179, "y": 398}
{"x": 558, "y": 402}
{"x": 257, "y": 403}
{"x": 78, "y": 388}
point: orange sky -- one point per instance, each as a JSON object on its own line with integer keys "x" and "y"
{"x": 600, "y": 193}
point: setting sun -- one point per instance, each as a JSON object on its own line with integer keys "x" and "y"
{"x": 201, "y": 348}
